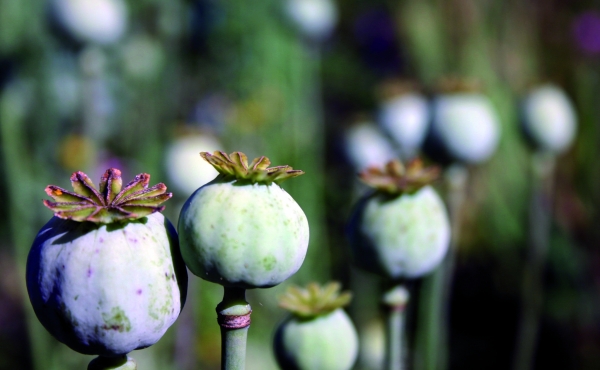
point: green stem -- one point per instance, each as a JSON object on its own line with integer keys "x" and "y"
{"x": 532, "y": 289}
{"x": 432, "y": 338}
{"x": 395, "y": 301}
{"x": 233, "y": 315}
{"x": 112, "y": 363}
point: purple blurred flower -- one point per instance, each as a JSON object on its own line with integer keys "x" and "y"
{"x": 586, "y": 30}
{"x": 375, "y": 33}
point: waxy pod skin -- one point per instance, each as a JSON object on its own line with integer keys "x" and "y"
{"x": 403, "y": 236}
{"x": 105, "y": 275}
{"x": 106, "y": 290}
{"x": 327, "y": 342}
{"x": 318, "y": 334}
{"x": 243, "y": 235}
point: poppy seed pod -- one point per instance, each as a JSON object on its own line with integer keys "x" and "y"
{"x": 466, "y": 125}
{"x": 186, "y": 171}
{"x": 242, "y": 230}
{"x": 105, "y": 275}
{"x": 549, "y": 119}
{"x": 96, "y": 21}
{"x": 314, "y": 18}
{"x": 401, "y": 230}
{"x": 318, "y": 335}
{"x": 406, "y": 119}
{"x": 366, "y": 146}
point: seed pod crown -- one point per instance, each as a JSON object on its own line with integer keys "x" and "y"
{"x": 395, "y": 179}
{"x": 235, "y": 166}
{"x": 314, "y": 300}
{"x": 111, "y": 203}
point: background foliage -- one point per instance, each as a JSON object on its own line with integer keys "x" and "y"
{"x": 242, "y": 72}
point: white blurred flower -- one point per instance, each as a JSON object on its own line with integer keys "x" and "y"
{"x": 406, "y": 119}
{"x": 467, "y": 125}
{"x": 186, "y": 169}
{"x": 549, "y": 118}
{"x": 366, "y": 146}
{"x": 97, "y": 21}
{"x": 315, "y": 18}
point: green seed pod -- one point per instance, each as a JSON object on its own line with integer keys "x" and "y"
{"x": 319, "y": 334}
{"x": 401, "y": 229}
{"x": 105, "y": 275}
{"x": 242, "y": 230}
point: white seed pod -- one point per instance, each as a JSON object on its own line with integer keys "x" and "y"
{"x": 402, "y": 236}
{"x": 467, "y": 126}
{"x": 366, "y": 146}
{"x": 406, "y": 119}
{"x": 326, "y": 342}
{"x": 549, "y": 118}
{"x": 315, "y": 18}
{"x": 187, "y": 171}
{"x": 96, "y": 21}
{"x": 106, "y": 289}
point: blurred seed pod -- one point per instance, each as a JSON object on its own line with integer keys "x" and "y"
{"x": 549, "y": 119}
{"x": 366, "y": 145}
{"x": 316, "y": 19}
{"x": 404, "y": 115}
{"x": 465, "y": 127}
{"x": 401, "y": 230}
{"x": 187, "y": 171}
{"x": 96, "y": 21}
{"x": 142, "y": 57}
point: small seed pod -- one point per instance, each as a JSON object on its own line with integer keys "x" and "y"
{"x": 185, "y": 170}
{"x": 316, "y": 19}
{"x": 96, "y": 21}
{"x": 401, "y": 230}
{"x": 465, "y": 126}
{"x": 404, "y": 115}
{"x": 318, "y": 335}
{"x": 105, "y": 275}
{"x": 549, "y": 119}
{"x": 242, "y": 229}
{"x": 366, "y": 146}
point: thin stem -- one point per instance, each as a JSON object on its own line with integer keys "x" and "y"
{"x": 112, "y": 363}
{"x": 532, "y": 289}
{"x": 233, "y": 315}
{"x": 395, "y": 300}
{"x": 432, "y": 338}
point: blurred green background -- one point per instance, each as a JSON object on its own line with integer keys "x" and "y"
{"x": 138, "y": 85}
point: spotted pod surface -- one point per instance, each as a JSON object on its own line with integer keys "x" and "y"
{"x": 243, "y": 235}
{"x": 107, "y": 289}
{"x": 402, "y": 236}
{"x": 326, "y": 342}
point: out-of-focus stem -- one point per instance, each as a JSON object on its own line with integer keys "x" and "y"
{"x": 112, "y": 363}
{"x": 233, "y": 315}
{"x": 395, "y": 301}
{"x": 432, "y": 337}
{"x": 539, "y": 234}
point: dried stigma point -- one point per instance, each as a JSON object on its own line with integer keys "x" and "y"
{"x": 235, "y": 165}
{"x": 397, "y": 179}
{"x": 314, "y": 300}
{"x": 111, "y": 203}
